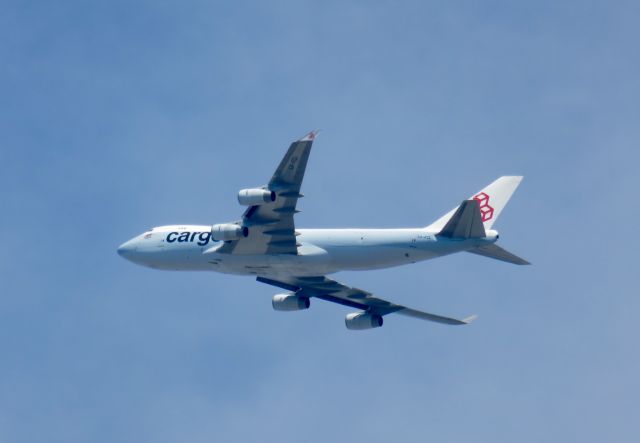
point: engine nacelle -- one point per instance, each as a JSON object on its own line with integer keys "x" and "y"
{"x": 290, "y": 302}
{"x": 228, "y": 231}
{"x": 255, "y": 197}
{"x": 362, "y": 320}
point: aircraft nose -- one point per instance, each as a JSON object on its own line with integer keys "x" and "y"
{"x": 126, "y": 249}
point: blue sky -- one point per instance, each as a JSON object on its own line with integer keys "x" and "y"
{"x": 119, "y": 116}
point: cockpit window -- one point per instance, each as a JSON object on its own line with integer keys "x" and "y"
{"x": 147, "y": 235}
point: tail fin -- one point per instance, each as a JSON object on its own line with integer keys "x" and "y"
{"x": 491, "y": 201}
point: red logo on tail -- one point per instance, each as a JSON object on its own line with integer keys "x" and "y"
{"x": 485, "y": 209}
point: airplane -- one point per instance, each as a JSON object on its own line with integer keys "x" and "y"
{"x": 267, "y": 244}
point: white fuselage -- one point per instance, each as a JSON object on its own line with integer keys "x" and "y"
{"x": 320, "y": 251}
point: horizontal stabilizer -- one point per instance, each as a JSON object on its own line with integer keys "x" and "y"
{"x": 496, "y": 252}
{"x": 466, "y": 222}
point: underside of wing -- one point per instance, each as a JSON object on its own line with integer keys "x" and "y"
{"x": 330, "y": 290}
{"x": 271, "y": 228}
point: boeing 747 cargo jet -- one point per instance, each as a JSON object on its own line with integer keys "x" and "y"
{"x": 266, "y": 243}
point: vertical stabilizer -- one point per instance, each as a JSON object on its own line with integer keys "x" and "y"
{"x": 491, "y": 201}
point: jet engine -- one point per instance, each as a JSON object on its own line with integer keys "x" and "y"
{"x": 290, "y": 302}
{"x": 255, "y": 197}
{"x": 362, "y": 320}
{"x": 228, "y": 231}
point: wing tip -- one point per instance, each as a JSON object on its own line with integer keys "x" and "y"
{"x": 469, "y": 319}
{"x": 311, "y": 136}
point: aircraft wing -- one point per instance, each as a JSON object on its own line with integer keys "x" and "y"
{"x": 271, "y": 226}
{"x": 330, "y": 290}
